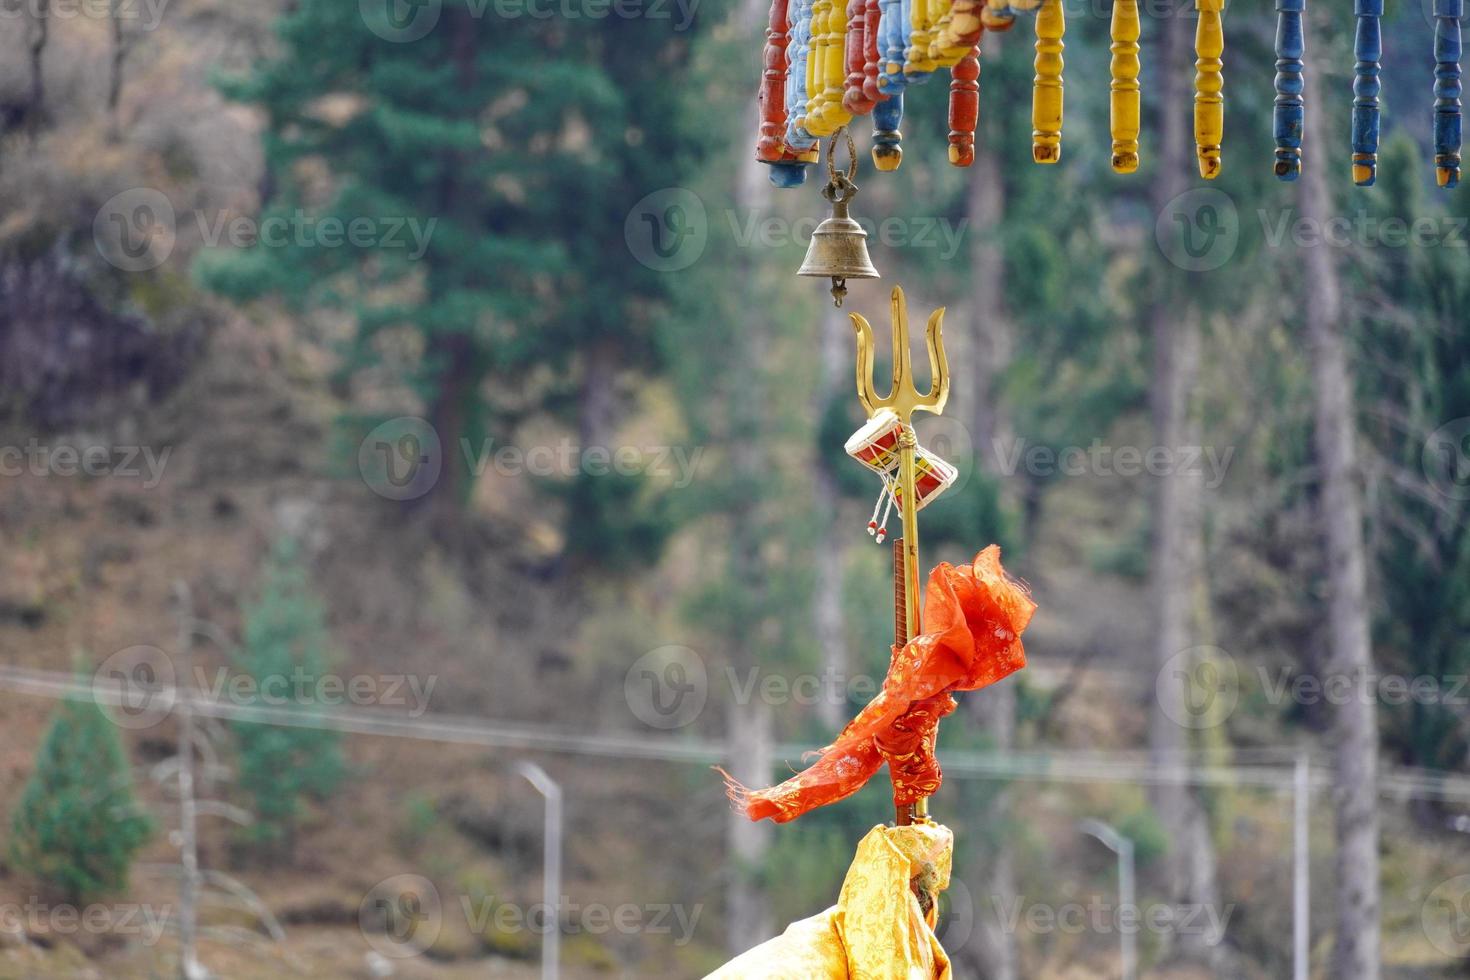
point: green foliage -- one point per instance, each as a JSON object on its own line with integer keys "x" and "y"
{"x": 1415, "y": 380}
{"x": 285, "y": 652}
{"x": 77, "y": 827}
{"x": 1147, "y": 832}
{"x": 516, "y": 155}
{"x": 615, "y": 521}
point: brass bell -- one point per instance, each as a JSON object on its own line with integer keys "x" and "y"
{"x": 839, "y": 247}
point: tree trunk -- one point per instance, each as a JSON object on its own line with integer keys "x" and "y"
{"x": 1176, "y": 549}
{"x": 114, "y": 78}
{"x": 39, "y": 32}
{"x": 991, "y": 950}
{"x": 454, "y": 399}
{"x": 993, "y": 710}
{"x": 827, "y": 618}
{"x": 748, "y": 916}
{"x": 989, "y": 329}
{"x": 1355, "y": 738}
{"x": 189, "y": 879}
{"x": 597, "y": 397}
{"x": 452, "y": 357}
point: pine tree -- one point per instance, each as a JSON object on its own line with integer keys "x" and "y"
{"x": 77, "y": 827}
{"x": 282, "y": 765}
{"x": 526, "y": 143}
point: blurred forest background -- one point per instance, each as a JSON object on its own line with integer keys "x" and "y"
{"x": 557, "y": 236}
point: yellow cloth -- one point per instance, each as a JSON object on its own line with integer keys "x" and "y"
{"x": 876, "y": 931}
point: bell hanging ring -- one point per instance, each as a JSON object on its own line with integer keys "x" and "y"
{"x": 839, "y": 247}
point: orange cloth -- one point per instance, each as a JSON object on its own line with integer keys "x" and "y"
{"x": 877, "y": 930}
{"x": 972, "y": 622}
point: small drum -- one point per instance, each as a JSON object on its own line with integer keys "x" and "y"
{"x": 932, "y": 476}
{"x": 875, "y": 445}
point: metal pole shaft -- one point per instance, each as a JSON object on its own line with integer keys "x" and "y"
{"x": 551, "y": 943}
{"x": 550, "y": 791}
{"x": 1301, "y": 880}
{"x": 908, "y": 444}
{"x": 189, "y": 967}
{"x": 1128, "y": 898}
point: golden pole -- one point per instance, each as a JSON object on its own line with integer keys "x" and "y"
{"x": 907, "y": 444}
{"x": 904, "y": 399}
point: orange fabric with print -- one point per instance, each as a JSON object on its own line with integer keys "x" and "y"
{"x": 972, "y": 622}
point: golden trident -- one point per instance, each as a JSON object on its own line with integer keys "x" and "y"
{"x": 904, "y": 399}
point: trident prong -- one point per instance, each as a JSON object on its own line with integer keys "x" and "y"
{"x": 903, "y": 398}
